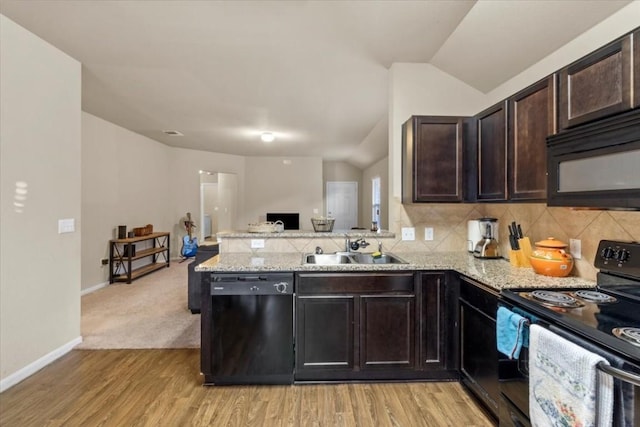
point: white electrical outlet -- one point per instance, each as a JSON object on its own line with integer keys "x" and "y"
{"x": 408, "y": 233}
{"x": 66, "y": 225}
{"x": 428, "y": 233}
{"x": 575, "y": 248}
{"x": 315, "y": 211}
{"x": 257, "y": 243}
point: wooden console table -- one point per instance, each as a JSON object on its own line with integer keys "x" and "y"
{"x": 122, "y": 252}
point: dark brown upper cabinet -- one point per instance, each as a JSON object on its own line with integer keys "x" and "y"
{"x": 432, "y": 159}
{"x": 597, "y": 85}
{"x": 531, "y": 121}
{"x": 491, "y": 125}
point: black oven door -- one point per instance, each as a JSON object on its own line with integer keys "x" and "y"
{"x": 511, "y": 416}
{"x": 514, "y": 382}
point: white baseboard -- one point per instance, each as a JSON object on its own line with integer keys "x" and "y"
{"x": 93, "y": 288}
{"x": 34, "y": 367}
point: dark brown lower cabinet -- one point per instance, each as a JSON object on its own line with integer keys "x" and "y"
{"x": 353, "y": 326}
{"x": 438, "y": 323}
{"x": 325, "y": 333}
{"x": 373, "y": 326}
{"x": 387, "y": 331}
{"x": 478, "y": 351}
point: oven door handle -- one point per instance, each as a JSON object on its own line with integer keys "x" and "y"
{"x": 619, "y": 373}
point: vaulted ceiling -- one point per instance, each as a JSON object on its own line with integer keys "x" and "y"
{"x": 312, "y": 72}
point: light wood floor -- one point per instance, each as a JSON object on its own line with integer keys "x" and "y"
{"x": 163, "y": 388}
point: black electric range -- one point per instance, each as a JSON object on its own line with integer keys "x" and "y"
{"x": 608, "y": 315}
{"x": 598, "y": 319}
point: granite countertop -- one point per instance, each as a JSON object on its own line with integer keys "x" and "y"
{"x": 306, "y": 234}
{"x": 495, "y": 273}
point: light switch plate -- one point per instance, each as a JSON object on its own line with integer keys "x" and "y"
{"x": 575, "y": 248}
{"x": 257, "y": 243}
{"x": 67, "y": 225}
{"x": 428, "y": 233}
{"x": 408, "y": 233}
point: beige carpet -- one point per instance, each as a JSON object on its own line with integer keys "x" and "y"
{"x": 151, "y": 312}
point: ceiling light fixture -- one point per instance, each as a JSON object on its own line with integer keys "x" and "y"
{"x": 173, "y": 132}
{"x": 267, "y": 137}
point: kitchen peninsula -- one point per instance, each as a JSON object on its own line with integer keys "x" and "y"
{"x": 369, "y": 322}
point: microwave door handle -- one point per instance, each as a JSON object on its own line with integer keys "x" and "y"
{"x": 619, "y": 373}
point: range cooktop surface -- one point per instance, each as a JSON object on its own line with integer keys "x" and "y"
{"x": 594, "y": 320}
{"x": 608, "y": 314}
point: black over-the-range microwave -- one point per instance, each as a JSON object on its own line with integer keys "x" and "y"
{"x": 596, "y": 164}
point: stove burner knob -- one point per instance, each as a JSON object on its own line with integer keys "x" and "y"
{"x": 607, "y": 253}
{"x": 622, "y": 255}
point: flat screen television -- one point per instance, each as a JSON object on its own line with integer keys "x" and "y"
{"x": 291, "y": 221}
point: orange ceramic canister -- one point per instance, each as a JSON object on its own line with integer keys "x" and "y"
{"x": 551, "y": 258}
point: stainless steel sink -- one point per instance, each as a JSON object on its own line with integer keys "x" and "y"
{"x": 327, "y": 259}
{"x": 338, "y": 258}
{"x": 366, "y": 258}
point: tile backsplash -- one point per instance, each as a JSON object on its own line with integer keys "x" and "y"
{"x": 538, "y": 221}
{"x": 449, "y": 223}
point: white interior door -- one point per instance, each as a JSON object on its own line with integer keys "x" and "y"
{"x": 342, "y": 204}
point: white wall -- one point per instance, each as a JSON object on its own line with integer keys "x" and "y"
{"x": 220, "y": 201}
{"x": 184, "y": 184}
{"x": 227, "y": 201}
{"x": 40, "y": 269}
{"x": 209, "y": 203}
{"x": 125, "y": 181}
{"x": 119, "y": 188}
{"x": 273, "y": 186}
{"x": 618, "y": 24}
{"x": 129, "y": 179}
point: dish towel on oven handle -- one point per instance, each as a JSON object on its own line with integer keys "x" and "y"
{"x": 565, "y": 387}
{"x": 623, "y": 392}
{"x": 510, "y": 332}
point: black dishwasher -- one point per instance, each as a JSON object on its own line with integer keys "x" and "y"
{"x": 247, "y": 328}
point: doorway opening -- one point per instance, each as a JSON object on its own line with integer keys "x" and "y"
{"x": 342, "y": 204}
{"x": 218, "y": 201}
{"x": 375, "y": 201}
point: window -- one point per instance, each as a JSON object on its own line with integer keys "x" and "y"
{"x": 375, "y": 200}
